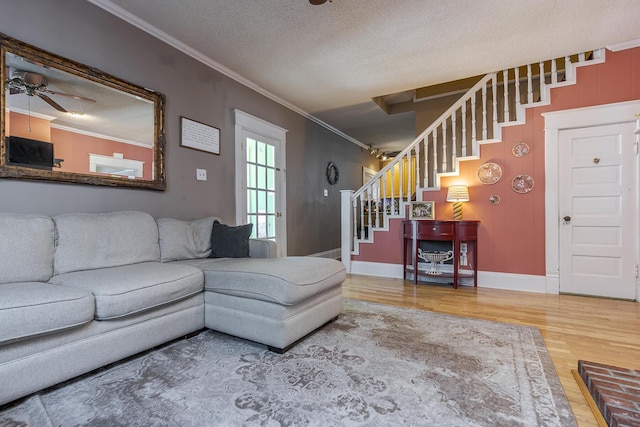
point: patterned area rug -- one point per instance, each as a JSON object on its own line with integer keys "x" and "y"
{"x": 376, "y": 365}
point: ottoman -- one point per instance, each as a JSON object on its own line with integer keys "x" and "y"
{"x": 273, "y": 301}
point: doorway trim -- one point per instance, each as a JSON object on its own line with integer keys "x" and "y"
{"x": 556, "y": 121}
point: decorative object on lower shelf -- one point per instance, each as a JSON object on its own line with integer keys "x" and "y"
{"x": 434, "y": 258}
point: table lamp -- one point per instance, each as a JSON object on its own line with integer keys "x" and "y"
{"x": 458, "y": 194}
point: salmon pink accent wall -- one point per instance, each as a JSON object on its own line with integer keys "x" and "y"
{"x": 511, "y": 234}
{"x": 74, "y": 148}
{"x": 29, "y": 127}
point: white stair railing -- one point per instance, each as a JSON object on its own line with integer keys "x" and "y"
{"x": 453, "y": 137}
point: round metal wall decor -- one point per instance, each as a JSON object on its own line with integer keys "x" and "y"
{"x": 332, "y": 173}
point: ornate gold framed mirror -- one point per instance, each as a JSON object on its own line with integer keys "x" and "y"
{"x": 67, "y": 122}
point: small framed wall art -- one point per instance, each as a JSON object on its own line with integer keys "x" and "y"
{"x": 199, "y": 136}
{"x": 421, "y": 210}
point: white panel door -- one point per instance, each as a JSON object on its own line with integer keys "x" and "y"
{"x": 597, "y": 197}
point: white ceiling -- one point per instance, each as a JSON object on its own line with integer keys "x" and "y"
{"x": 330, "y": 60}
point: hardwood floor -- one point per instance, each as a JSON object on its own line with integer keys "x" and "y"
{"x": 574, "y": 327}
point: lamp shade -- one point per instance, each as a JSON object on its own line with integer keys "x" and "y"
{"x": 458, "y": 193}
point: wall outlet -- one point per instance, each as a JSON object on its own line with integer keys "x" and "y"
{"x": 463, "y": 248}
{"x": 201, "y": 174}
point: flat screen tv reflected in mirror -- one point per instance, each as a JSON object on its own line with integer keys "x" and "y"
{"x": 29, "y": 153}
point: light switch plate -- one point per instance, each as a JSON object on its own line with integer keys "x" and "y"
{"x": 201, "y": 174}
{"x": 326, "y": 193}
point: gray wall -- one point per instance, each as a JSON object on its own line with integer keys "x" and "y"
{"x": 80, "y": 31}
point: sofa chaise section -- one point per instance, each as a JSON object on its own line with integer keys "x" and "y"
{"x": 274, "y": 301}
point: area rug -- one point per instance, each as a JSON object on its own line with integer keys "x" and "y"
{"x": 376, "y": 365}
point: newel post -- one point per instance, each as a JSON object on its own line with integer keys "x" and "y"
{"x": 346, "y": 232}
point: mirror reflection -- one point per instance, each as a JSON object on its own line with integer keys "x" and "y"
{"x": 64, "y": 121}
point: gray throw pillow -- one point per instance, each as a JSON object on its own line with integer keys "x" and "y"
{"x": 184, "y": 239}
{"x": 230, "y": 242}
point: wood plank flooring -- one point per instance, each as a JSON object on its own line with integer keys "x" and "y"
{"x": 574, "y": 327}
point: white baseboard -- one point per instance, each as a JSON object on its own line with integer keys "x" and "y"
{"x": 486, "y": 279}
{"x": 378, "y": 269}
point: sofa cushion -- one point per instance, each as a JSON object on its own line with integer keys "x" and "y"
{"x": 285, "y": 281}
{"x": 26, "y": 248}
{"x": 124, "y": 290}
{"x": 184, "y": 239}
{"x": 34, "y": 308}
{"x": 90, "y": 241}
{"x": 228, "y": 241}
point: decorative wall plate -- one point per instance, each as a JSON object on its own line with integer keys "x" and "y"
{"x": 494, "y": 199}
{"x": 520, "y": 150}
{"x": 522, "y": 184}
{"x": 489, "y": 173}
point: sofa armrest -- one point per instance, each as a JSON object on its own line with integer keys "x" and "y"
{"x": 262, "y": 248}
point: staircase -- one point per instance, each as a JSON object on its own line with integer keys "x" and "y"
{"x": 497, "y": 100}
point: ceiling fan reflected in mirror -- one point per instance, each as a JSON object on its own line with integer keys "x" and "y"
{"x": 34, "y": 84}
{"x": 318, "y": 2}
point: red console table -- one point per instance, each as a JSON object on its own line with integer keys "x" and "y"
{"x": 457, "y": 232}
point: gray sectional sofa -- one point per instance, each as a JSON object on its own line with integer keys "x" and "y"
{"x": 79, "y": 291}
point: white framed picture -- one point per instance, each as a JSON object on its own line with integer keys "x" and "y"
{"x": 199, "y": 136}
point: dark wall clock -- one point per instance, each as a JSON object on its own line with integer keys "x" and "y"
{"x": 332, "y": 173}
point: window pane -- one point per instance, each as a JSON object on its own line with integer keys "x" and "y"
{"x": 271, "y": 202}
{"x": 251, "y": 176}
{"x": 262, "y": 177}
{"x": 262, "y": 201}
{"x": 262, "y": 226}
{"x": 262, "y": 153}
{"x": 271, "y": 156}
{"x": 271, "y": 226}
{"x": 251, "y": 150}
{"x": 251, "y": 201}
{"x": 271, "y": 179}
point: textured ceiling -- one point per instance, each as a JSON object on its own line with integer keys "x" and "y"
{"x": 331, "y": 60}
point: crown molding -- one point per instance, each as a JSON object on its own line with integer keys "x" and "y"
{"x": 624, "y": 45}
{"x": 177, "y": 44}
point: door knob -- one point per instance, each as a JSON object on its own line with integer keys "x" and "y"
{"x": 567, "y": 218}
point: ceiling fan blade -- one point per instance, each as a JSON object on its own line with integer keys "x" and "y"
{"x": 68, "y": 95}
{"x": 51, "y": 102}
{"x": 14, "y": 90}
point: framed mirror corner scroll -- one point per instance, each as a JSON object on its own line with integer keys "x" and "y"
{"x": 64, "y": 121}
